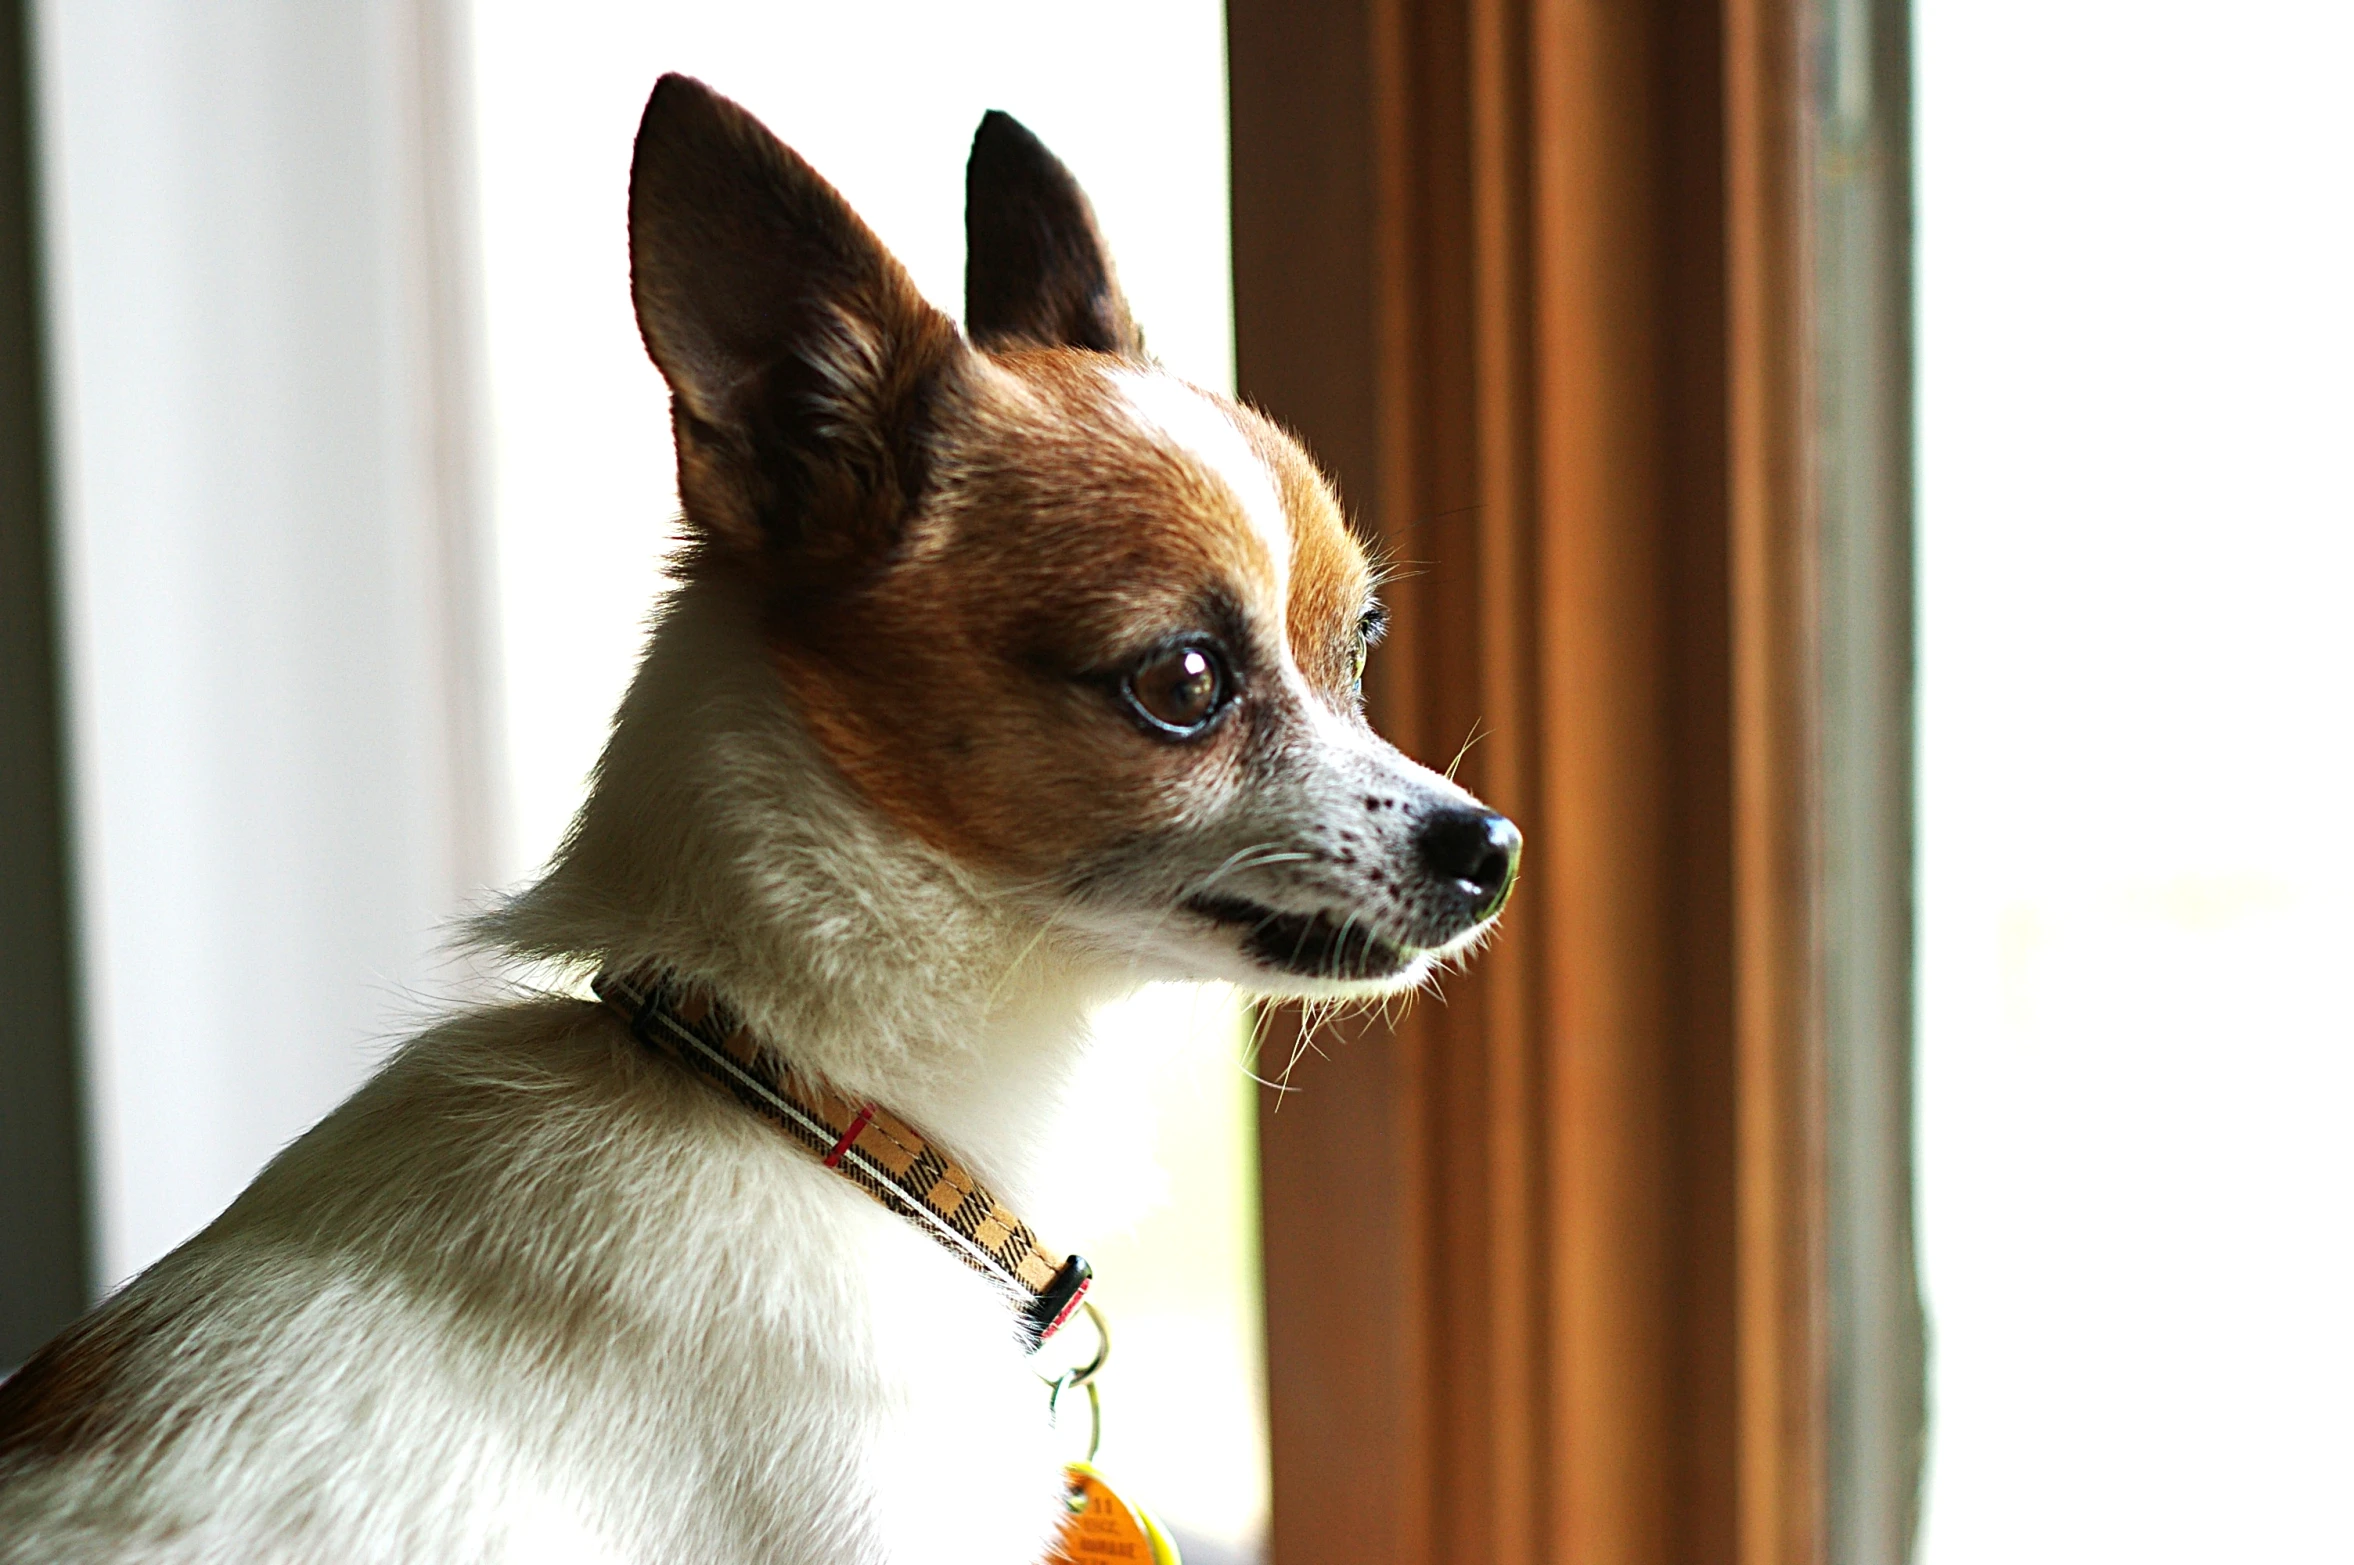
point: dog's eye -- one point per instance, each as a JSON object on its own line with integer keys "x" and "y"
{"x": 1181, "y": 689}
{"x": 1370, "y": 627}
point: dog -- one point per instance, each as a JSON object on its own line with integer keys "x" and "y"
{"x": 1002, "y": 672}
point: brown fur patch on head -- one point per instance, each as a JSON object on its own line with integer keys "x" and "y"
{"x": 972, "y": 689}
{"x": 966, "y": 555}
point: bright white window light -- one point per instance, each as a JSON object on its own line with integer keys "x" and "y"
{"x": 2137, "y": 780}
{"x": 883, "y": 100}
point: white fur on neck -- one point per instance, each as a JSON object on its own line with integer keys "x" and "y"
{"x": 719, "y": 843}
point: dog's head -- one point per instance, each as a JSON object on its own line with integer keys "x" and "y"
{"x": 1090, "y": 630}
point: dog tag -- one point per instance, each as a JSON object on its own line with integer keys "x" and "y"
{"x": 1100, "y": 1528}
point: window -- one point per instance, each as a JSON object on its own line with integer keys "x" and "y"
{"x": 2137, "y": 872}
{"x": 1603, "y": 318}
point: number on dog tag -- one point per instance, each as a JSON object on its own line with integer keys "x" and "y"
{"x": 1100, "y": 1528}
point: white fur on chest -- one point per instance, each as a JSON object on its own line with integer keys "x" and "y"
{"x": 526, "y": 1298}
{"x": 794, "y": 1373}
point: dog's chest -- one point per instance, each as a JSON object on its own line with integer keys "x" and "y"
{"x": 876, "y": 1409}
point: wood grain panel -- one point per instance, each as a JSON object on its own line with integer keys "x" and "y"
{"x": 1542, "y": 1250}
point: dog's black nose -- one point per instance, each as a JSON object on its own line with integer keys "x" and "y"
{"x": 1473, "y": 854}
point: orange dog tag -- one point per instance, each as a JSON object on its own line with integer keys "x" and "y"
{"x": 1103, "y": 1529}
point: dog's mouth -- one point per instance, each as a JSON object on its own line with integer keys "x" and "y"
{"x": 1306, "y": 945}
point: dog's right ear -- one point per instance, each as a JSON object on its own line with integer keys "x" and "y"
{"x": 1037, "y": 273}
{"x": 803, "y": 364}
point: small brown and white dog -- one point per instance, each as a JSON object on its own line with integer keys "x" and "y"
{"x": 1004, "y": 673}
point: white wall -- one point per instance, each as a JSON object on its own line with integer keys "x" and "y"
{"x": 278, "y": 763}
{"x": 2137, "y": 855}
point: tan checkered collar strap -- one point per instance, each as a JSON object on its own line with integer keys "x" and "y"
{"x": 867, "y": 1145}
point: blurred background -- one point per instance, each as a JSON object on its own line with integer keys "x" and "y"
{"x": 339, "y": 485}
{"x": 2136, "y": 589}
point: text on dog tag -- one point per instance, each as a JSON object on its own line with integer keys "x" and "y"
{"x": 1100, "y": 1528}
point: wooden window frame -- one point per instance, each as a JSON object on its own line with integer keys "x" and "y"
{"x": 1548, "y": 1263}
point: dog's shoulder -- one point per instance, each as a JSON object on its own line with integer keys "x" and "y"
{"x": 69, "y": 1392}
{"x": 259, "y": 1357}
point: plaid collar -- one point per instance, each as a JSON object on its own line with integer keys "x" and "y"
{"x": 867, "y": 1145}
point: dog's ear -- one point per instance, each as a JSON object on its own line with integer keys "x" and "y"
{"x": 1036, "y": 271}
{"x": 804, "y": 366}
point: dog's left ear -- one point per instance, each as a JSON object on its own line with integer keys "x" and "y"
{"x": 1036, "y": 271}
{"x": 806, "y": 371}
